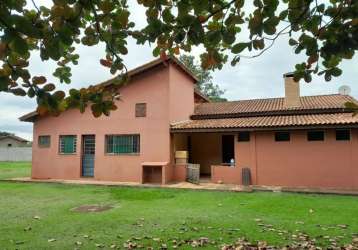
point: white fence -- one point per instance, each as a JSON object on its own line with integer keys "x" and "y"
{"x": 16, "y": 154}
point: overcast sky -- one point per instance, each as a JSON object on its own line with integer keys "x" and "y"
{"x": 255, "y": 78}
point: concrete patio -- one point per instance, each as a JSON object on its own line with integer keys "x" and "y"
{"x": 177, "y": 185}
{"x": 205, "y": 185}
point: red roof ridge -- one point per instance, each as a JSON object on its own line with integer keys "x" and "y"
{"x": 273, "y": 106}
{"x": 280, "y": 98}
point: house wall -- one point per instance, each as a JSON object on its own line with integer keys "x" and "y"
{"x": 181, "y": 95}
{"x": 153, "y": 87}
{"x": 300, "y": 163}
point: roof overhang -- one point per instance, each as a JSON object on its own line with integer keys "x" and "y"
{"x": 30, "y": 117}
{"x": 283, "y": 128}
{"x": 259, "y": 123}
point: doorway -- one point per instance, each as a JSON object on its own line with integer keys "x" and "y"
{"x": 88, "y": 154}
{"x": 228, "y": 148}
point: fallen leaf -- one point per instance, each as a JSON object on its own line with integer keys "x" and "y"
{"x": 51, "y": 240}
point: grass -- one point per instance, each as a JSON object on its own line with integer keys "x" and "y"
{"x": 39, "y": 216}
{"x": 10, "y": 170}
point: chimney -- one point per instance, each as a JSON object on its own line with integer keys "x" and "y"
{"x": 292, "y": 92}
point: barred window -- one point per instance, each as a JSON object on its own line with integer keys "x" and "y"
{"x": 68, "y": 144}
{"x": 44, "y": 141}
{"x": 122, "y": 144}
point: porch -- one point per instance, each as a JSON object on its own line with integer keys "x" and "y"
{"x": 206, "y": 158}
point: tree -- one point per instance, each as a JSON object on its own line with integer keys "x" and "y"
{"x": 326, "y": 33}
{"x": 205, "y": 83}
{"x": 3, "y": 133}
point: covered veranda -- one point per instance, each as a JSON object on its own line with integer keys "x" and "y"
{"x": 213, "y": 152}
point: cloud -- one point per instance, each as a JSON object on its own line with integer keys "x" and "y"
{"x": 252, "y": 78}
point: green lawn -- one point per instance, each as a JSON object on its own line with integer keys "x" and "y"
{"x": 39, "y": 216}
{"x": 14, "y": 169}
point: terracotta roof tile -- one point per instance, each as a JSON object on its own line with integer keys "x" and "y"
{"x": 269, "y": 121}
{"x": 322, "y": 102}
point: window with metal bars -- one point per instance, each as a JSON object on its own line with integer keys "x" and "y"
{"x": 122, "y": 144}
{"x": 68, "y": 144}
{"x": 44, "y": 141}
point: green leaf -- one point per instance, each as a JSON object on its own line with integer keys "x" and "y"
{"x": 283, "y": 14}
{"x": 167, "y": 15}
{"x": 259, "y": 44}
{"x": 106, "y": 6}
{"x": 235, "y": 60}
{"x": 59, "y": 95}
{"x": 258, "y": 3}
{"x": 292, "y": 42}
{"x": 38, "y": 80}
{"x": 96, "y": 110}
{"x": 49, "y": 87}
{"x": 239, "y": 47}
{"x": 19, "y": 92}
{"x": 328, "y": 76}
{"x": 336, "y": 72}
{"x": 214, "y": 37}
{"x": 25, "y": 26}
{"x": 228, "y": 37}
{"x": 53, "y": 48}
{"x": 31, "y": 93}
{"x": 123, "y": 17}
{"x": 269, "y": 28}
{"x": 307, "y": 77}
{"x": 4, "y": 83}
{"x": 19, "y": 45}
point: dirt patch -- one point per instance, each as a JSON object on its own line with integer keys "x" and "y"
{"x": 92, "y": 208}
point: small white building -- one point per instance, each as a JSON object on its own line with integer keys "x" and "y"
{"x": 7, "y": 141}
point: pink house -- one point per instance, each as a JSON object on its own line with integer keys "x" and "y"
{"x": 164, "y": 130}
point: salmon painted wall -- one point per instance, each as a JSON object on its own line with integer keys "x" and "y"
{"x": 300, "y": 163}
{"x": 152, "y": 88}
{"x": 181, "y": 107}
{"x": 181, "y": 95}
